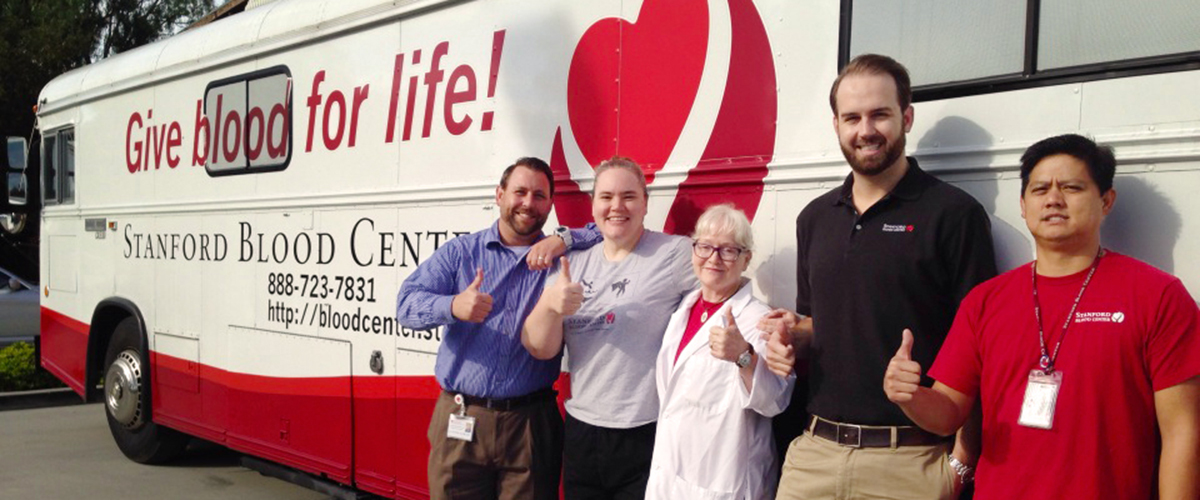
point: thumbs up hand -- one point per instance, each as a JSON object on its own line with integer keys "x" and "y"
{"x": 565, "y": 296}
{"x": 780, "y": 355}
{"x": 778, "y": 316}
{"x": 726, "y": 341}
{"x": 472, "y": 305}
{"x": 903, "y": 375}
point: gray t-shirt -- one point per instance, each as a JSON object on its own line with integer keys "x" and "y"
{"x": 613, "y": 340}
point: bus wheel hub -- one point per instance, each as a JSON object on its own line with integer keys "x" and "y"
{"x": 122, "y": 390}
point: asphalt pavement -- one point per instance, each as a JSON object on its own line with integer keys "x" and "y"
{"x": 67, "y": 453}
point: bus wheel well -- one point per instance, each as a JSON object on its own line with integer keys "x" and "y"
{"x": 105, "y": 318}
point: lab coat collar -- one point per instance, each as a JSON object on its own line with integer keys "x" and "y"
{"x": 699, "y": 343}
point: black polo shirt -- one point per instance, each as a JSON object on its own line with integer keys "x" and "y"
{"x": 905, "y": 263}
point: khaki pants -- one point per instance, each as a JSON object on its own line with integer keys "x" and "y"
{"x": 514, "y": 454}
{"x": 816, "y": 468}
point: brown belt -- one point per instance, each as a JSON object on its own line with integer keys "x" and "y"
{"x": 859, "y": 436}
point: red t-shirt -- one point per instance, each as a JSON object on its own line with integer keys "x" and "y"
{"x": 695, "y": 322}
{"x": 1134, "y": 333}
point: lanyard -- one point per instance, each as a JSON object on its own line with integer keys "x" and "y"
{"x": 1047, "y": 360}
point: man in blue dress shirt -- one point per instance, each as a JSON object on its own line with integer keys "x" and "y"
{"x": 496, "y": 431}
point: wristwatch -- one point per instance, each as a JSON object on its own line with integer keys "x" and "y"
{"x": 564, "y": 232}
{"x": 746, "y": 357}
{"x": 965, "y": 472}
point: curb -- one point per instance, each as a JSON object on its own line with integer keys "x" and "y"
{"x": 44, "y": 398}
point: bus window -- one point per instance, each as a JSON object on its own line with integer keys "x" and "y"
{"x": 49, "y": 170}
{"x": 1079, "y": 32}
{"x": 940, "y": 42}
{"x": 250, "y": 122}
{"x": 954, "y": 49}
{"x": 58, "y": 167}
{"x": 66, "y": 164}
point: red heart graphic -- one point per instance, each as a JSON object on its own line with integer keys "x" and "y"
{"x": 631, "y": 85}
{"x": 734, "y": 162}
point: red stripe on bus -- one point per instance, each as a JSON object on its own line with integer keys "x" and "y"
{"x": 64, "y": 348}
{"x": 368, "y": 431}
{"x": 306, "y": 422}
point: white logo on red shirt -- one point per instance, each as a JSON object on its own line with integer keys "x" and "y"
{"x": 1100, "y": 317}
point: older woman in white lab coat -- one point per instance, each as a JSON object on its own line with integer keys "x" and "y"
{"x": 716, "y": 396}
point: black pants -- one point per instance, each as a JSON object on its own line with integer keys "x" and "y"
{"x": 604, "y": 463}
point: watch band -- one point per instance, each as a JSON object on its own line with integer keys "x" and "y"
{"x": 746, "y": 357}
{"x": 564, "y": 232}
{"x": 966, "y": 473}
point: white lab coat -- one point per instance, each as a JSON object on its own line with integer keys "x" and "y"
{"x": 714, "y": 437}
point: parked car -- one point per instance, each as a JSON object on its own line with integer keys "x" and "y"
{"x": 19, "y": 309}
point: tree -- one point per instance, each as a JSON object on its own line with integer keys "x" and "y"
{"x": 38, "y": 41}
{"x": 132, "y": 23}
{"x": 41, "y": 39}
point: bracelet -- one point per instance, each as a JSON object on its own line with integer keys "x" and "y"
{"x": 965, "y": 472}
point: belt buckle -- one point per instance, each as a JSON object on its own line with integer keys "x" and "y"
{"x": 849, "y": 435}
{"x": 505, "y": 404}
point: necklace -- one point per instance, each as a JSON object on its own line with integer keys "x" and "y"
{"x": 709, "y": 307}
{"x": 1047, "y": 360}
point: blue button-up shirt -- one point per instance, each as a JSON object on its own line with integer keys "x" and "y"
{"x": 482, "y": 359}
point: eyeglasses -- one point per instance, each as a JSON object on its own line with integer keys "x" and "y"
{"x": 728, "y": 254}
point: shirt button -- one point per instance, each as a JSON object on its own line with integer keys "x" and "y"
{"x": 858, "y": 227}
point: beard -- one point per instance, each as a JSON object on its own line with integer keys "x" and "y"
{"x": 524, "y": 227}
{"x": 877, "y": 166}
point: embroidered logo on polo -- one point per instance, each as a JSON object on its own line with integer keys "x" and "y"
{"x": 898, "y": 228}
{"x": 1100, "y": 317}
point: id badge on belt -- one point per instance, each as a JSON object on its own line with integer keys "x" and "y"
{"x": 461, "y": 426}
{"x": 1041, "y": 394}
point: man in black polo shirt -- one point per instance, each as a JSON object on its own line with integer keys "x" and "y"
{"x": 893, "y": 248}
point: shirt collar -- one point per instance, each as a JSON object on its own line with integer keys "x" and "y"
{"x": 909, "y": 188}
{"x": 491, "y": 237}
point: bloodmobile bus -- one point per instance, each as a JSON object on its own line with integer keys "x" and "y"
{"x": 229, "y": 213}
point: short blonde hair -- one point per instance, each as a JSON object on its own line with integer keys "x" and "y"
{"x": 623, "y": 163}
{"x": 725, "y": 219}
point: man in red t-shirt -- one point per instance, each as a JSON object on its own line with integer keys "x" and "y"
{"x": 1081, "y": 360}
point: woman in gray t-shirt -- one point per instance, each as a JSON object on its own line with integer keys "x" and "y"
{"x": 610, "y": 305}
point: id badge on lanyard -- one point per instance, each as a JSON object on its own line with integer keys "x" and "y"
{"x": 1041, "y": 391}
{"x": 1041, "y": 394}
{"x": 461, "y": 426}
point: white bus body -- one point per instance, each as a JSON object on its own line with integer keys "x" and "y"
{"x": 253, "y": 192}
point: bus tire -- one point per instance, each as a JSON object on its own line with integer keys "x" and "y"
{"x": 127, "y": 402}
